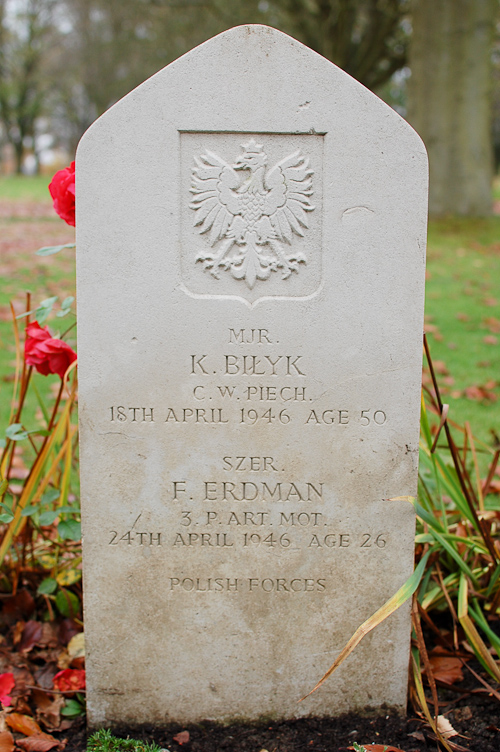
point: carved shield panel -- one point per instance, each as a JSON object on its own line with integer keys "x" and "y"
{"x": 251, "y": 215}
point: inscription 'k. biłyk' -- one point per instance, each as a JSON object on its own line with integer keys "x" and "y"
{"x": 250, "y": 236}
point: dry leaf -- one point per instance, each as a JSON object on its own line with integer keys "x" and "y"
{"x": 182, "y": 737}
{"x": 31, "y": 635}
{"x": 23, "y": 724}
{"x": 445, "y": 728}
{"x": 37, "y": 743}
{"x": 446, "y": 669}
{"x": 76, "y": 646}
{"x": 379, "y": 748}
{"x": 6, "y": 741}
{"x": 48, "y": 711}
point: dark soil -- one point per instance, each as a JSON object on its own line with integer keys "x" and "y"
{"x": 475, "y": 716}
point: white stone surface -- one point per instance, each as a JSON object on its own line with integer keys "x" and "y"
{"x": 292, "y": 375}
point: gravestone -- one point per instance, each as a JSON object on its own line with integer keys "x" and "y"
{"x": 251, "y": 249}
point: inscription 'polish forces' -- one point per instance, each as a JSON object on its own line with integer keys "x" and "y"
{"x": 257, "y": 214}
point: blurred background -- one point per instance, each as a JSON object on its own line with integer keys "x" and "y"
{"x": 437, "y": 62}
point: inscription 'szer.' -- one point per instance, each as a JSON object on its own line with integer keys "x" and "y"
{"x": 257, "y": 214}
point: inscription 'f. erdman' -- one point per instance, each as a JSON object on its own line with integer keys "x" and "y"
{"x": 257, "y": 213}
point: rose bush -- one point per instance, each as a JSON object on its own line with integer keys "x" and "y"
{"x": 62, "y": 190}
{"x": 46, "y": 353}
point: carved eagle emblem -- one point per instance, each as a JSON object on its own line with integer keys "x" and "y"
{"x": 251, "y": 212}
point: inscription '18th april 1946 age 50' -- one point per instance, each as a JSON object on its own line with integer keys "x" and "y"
{"x": 257, "y": 214}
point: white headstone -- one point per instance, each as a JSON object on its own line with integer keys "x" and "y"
{"x": 251, "y": 249}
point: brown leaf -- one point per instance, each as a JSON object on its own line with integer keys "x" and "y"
{"x": 37, "y": 743}
{"x": 493, "y": 324}
{"x": 379, "y": 748}
{"x": 15, "y": 607}
{"x": 48, "y": 710}
{"x": 492, "y": 302}
{"x": 182, "y": 737}
{"x": 22, "y": 724}
{"x": 6, "y": 741}
{"x": 446, "y": 669}
{"x": 32, "y": 633}
{"x": 440, "y": 367}
{"x": 490, "y": 339}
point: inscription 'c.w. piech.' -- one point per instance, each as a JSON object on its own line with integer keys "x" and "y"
{"x": 257, "y": 214}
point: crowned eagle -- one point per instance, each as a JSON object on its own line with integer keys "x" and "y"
{"x": 250, "y": 217}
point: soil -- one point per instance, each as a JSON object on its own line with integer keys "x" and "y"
{"x": 475, "y": 716}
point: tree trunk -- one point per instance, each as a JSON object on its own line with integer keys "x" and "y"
{"x": 450, "y": 100}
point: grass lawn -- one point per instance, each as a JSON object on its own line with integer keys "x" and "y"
{"x": 462, "y": 301}
{"x": 463, "y": 317}
{"x": 20, "y": 187}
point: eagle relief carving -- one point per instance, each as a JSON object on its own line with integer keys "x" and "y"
{"x": 251, "y": 212}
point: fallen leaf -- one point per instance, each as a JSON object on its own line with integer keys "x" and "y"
{"x": 440, "y": 367}
{"x": 493, "y": 324}
{"x": 48, "y": 710}
{"x": 417, "y": 735}
{"x": 76, "y": 646}
{"x": 480, "y": 393}
{"x": 490, "y": 302}
{"x": 22, "y": 724}
{"x": 32, "y": 633}
{"x": 15, "y": 607}
{"x": 445, "y": 728}
{"x": 182, "y": 737}
{"x": 490, "y": 339}
{"x": 462, "y": 317}
{"x": 379, "y": 748}
{"x": 446, "y": 669}
{"x": 6, "y": 741}
{"x": 37, "y": 743}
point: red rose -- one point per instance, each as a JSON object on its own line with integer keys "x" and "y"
{"x": 70, "y": 680}
{"x": 62, "y": 190}
{"x": 47, "y": 354}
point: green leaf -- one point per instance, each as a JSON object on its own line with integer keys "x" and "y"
{"x": 29, "y": 511}
{"x": 6, "y": 518}
{"x": 4, "y": 486}
{"x": 47, "y": 518}
{"x": 16, "y": 432}
{"x": 67, "y": 603}
{"x": 69, "y": 510}
{"x": 47, "y": 586}
{"x": 66, "y": 306}
{"x": 70, "y": 530}
{"x": 44, "y": 309}
{"x": 72, "y": 709}
{"x": 50, "y": 495}
{"x": 48, "y": 250}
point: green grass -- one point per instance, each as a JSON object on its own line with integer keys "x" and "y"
{"x": 22, "y": 187}
{"x": 463, "y": 316}
{"x": 104, "y": 741}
